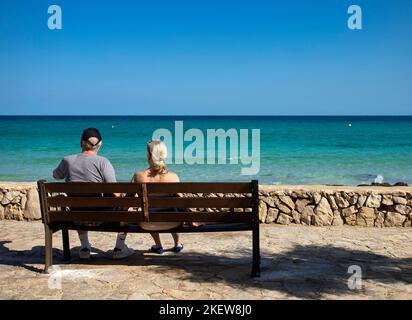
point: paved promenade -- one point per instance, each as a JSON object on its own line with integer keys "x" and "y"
{"x": 297, "y": 263}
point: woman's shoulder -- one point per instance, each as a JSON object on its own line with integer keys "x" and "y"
{"x": 145, "y": 176}
{"x": 172, "y": 176}
{"x": 139, "y": 176}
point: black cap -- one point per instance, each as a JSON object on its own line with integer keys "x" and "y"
{"x": 91, "y": 133}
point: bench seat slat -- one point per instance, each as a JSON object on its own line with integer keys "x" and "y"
{"x": 200, "y": 202}
{"x": 134, "y": 228}
{"x": 127, "y": 216}
{"x": 88, "y": 202}
{"x": 201, "y": 216}
{"x": 126, "y": 187}
{"x": 199, "y": 187}
{"x": 98, "y": 216}
{"x": 91, "y": 187}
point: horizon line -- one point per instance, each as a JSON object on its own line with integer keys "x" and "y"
{"x": 193, "y": 115}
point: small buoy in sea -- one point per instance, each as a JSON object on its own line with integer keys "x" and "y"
{"x": 350, "y": 125}
{"x": 113, "y": 126}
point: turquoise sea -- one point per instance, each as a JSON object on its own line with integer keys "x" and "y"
{"x": 293, "y": 150}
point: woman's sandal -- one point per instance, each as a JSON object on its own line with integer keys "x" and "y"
{"x": 178, "y": 248}
{"x": 158, "y": 250}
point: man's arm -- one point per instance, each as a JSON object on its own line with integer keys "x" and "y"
{"x": 108, "y": 172}
{"x": 109, "y": 175}
{"x": 60, "y": 172}
{"x": 56, "y": 175}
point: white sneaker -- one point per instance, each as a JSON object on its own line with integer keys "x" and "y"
{"x": 123, "y": 253}
{"x": 84, "y": 253}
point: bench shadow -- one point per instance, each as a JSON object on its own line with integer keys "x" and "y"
{"x": 307, "y": 272}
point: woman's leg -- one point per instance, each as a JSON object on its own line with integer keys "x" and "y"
{"x": 176, "y": 238}
{"x": 156, "y": 238}
{"x": 178, "y": 246}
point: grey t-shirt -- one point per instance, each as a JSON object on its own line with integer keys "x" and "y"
{"x": 86, "y": 168}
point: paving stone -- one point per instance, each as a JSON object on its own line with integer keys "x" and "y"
{"x": 298, "y": 262}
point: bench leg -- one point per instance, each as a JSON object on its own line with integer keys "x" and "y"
{"x": 256, "y": 251}
{"x": 66, "y": 245}
{"x": 48, "y": 248}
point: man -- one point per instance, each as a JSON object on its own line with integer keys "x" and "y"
{"x": 87, "y": 166}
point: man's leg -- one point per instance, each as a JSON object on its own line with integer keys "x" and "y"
{"x": 122, "y": 250}
{"x": 85, "y": 247}
{"x": 84, "y": 239}
{"x": 121, "y": 237}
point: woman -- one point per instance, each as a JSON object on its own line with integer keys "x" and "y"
{"x": 157, "y": 172}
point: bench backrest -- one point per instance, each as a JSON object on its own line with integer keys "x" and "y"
{"x": 195, "y": 201}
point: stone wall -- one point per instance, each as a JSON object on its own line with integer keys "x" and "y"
{"x": 19, "y": 202}
{"x": 308, "y": 205}
{"x": 325, "y": 206}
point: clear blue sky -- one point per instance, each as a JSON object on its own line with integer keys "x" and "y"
{"x": 178, "y": 57}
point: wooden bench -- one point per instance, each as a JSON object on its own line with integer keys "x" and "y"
{"x": 72, "y": 206}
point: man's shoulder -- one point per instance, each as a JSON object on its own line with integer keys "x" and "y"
{"x": 101, "y": 159}
{"x": 95, "y": 157}
{"x": 70, "y": 157}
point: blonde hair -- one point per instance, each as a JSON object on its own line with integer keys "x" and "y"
{"x": 158, "y": 153}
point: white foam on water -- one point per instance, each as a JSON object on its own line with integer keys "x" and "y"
{"x": 379, "y": 179}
